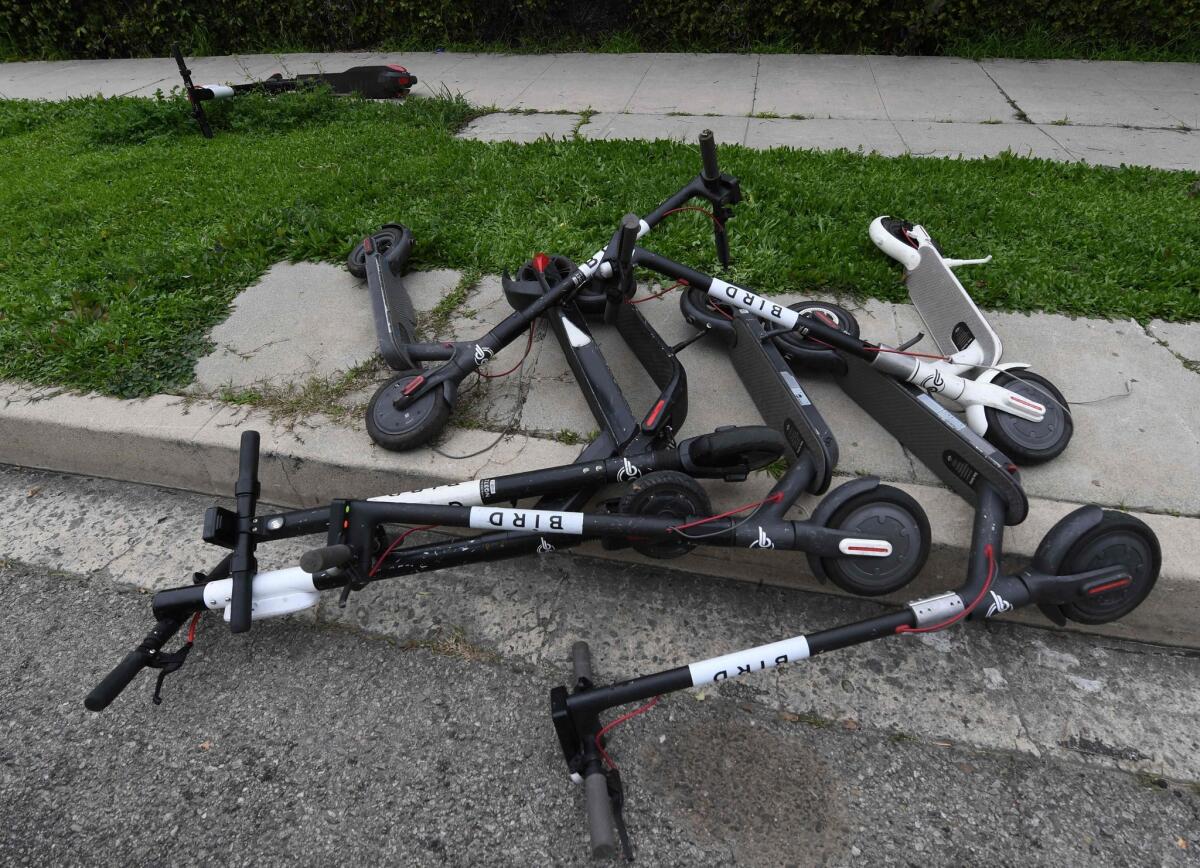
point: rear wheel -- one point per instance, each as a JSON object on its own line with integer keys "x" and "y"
{"x": 393, "y": 241}
{"x": 1119, "y": 539}
{"x": 415, "y": 425}
{"x": 884, "y": 513}
{"x": 1023, "y": 441}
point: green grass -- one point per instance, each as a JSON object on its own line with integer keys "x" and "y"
{"x": 126, "y": 235}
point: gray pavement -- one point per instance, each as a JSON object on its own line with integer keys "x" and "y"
{"x": 1102, "y": 112}
{"x": 366, "y": 737}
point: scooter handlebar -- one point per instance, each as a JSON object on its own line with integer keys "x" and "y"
{"x": 135, "y": 661}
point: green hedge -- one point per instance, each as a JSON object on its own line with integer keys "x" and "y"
{"x": 111, "y": 28}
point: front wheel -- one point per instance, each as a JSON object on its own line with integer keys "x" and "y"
{"x": 1026, "y": 442}
{"x": 885, "y": 513}
{"x": 415, "y": 425}
{"x": 1119, "y": 539}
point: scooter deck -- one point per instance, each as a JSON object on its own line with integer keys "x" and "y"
{"x": 395, "y": 317}
{"x": 943, "y": 442}
{"x": 369, "y": 82}
{"x": 781, "y": 401}
{"x": 950, "y": 315}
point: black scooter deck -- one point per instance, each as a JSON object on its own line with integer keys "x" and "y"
{"x": 943, "y": 442}
{"x": 395, "y": 318}
{"x": 781, "y": 401}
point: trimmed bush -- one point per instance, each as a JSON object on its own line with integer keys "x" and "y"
{"x": 111, "y": 28}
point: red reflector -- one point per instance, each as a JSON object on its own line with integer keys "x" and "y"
{"x": 1110, "y": 586}
{"x": 541, "y": 262}
{"x": 653, "y": 417}
{"x": 369, "y": 244}
{"x": 865, "y": 549}
{"x": 414, "y": 385}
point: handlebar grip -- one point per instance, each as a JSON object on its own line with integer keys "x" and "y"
{"x": 600, "y": 817}
{"x": 631, "y": 224}
{"x": 248, "y": 464}
{"x": 322, "y": 559}
{"x": 708, "y": 156}
{"x": 135, "y": 661}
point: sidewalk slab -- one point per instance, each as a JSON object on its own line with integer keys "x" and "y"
{"x": 517, "y": 127}
{"x": 575, "y": 82}
{"x": 679, "y": 128}
{"x": 979, "y": 140}
{"x": 878, "y": 137}
{"x": 818, "y": 86}
{"x": 938, "y": 89}
{"x": 1113, "y": 146}
{"x": 696, "y": 84}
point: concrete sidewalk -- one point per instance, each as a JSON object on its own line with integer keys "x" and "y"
{"x": 1136, "y": 404}
{"x": 1104, "y": 112}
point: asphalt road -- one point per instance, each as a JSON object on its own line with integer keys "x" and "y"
{"x": 322, "y": 744}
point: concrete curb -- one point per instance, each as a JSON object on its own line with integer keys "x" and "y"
{"x": 192, "y": 445}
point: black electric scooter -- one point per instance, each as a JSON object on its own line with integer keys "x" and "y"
{"x": 381, "y": 81}
{"x": 664, "y": 513}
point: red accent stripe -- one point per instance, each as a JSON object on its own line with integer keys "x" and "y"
{"x": 1017, "y": 399}
{"x": 1109, "y": 586}
{"x": 653, "y": 417}
{"x": 414, "y": 385}
{"x": 865, "y": 549}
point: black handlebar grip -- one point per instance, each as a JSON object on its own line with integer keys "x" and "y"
{"x": 135, "y": 661}
{"x": 243, "y": 567}
{"x": 631, "y": 224}
{"x": 708, "y": 156}
{"x": 322, "y": 559}
{"x": 600, "y": 817}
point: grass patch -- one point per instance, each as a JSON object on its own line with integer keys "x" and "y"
{"x": 127, "y": 234}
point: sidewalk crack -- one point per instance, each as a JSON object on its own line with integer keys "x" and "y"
{"x": 636, "y": 88}
{"x": 1018, "y": 112}
{"x": 754, "y": 95}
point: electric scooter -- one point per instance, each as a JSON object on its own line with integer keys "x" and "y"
{"x": 962, "y": 333}
{"x": 664, "y": 513}
{"x": 382, "y": 81}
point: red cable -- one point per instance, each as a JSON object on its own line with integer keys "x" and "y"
{"x": 192, "y": 627}
{"x": 396, "y": 542}
{"x": 677, "y": 285}
{"x": 719, "y": 309}
{"x": 774, "y": 498}
{"x": 904, "y": 628}
{"x": 521, "y": 361}
{"x": 703, "y": 211}
{"x": 624, "y": 717}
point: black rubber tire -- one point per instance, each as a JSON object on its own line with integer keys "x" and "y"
{"x": 392, "y": 240}
{"x": 401, "y": 430}
{"x": 665, "y": 493}
{"x": 1118, "y": 539}
{"x": 697, "y": 309}
{"x": 888, "y": 513}
{"x": 1029, "y": 443}
{"x": 809, "y": 354}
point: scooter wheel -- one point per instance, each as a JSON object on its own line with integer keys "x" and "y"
{"x": 669, "y": 494}
{"x": 1025, "y": 442}
{"x": 882, "y": 513}
{"x": 392, "y": 240}
{"x": 1118, "y": 539}
{"x": 704, "y": 313}
{"x": 415, "y": 425}
{"x": 807, "y": 352}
